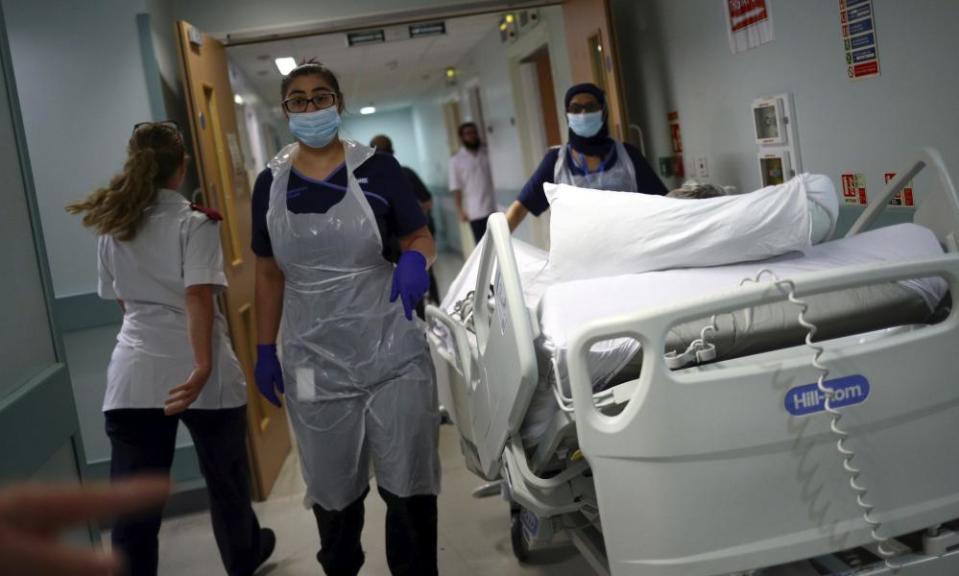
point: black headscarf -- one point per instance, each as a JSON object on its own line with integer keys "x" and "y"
{"x": 600, "y": 143}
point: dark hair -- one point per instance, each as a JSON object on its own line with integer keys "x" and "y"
{"x": 697, "y": 192}
{"x": 382, "y": 143}
{"x": 466, "y": 125}
{"x": 155, "y": 152}
{"x": 312, "y": 67}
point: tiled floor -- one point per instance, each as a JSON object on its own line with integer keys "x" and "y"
{"x": 473, "y": 541}
{"x": 473, "y": 534}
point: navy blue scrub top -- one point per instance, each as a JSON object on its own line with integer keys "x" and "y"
{"x": 533, "y": 198}
{"x": 383, "y": 182}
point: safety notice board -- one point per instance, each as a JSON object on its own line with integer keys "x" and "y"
{"x": 749, "y": 23}
{"x": 906, "y": 198}
{"x": 858, "y": 19}
{"x": 854, "y": 189}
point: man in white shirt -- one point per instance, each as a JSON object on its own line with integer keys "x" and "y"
{"x": 471, "y": 180}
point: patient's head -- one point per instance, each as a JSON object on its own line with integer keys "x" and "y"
{"x": 696, "y": 191}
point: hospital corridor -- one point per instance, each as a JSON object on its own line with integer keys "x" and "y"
{"x": 474, "y": 539}
{"x": 479, "y": 287}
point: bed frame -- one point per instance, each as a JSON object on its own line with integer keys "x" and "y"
{"x": 703, "y": 471}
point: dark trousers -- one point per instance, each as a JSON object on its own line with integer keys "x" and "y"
{"x": 479, "y": 228}
{"x": 434, "y": 290}
{"x": 434, "y": 293}
{"x": 432, "y": 297}
{"x": 143, "y": 441}
{"x": 410, "y": 536}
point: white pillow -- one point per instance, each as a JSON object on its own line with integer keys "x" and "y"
{"x": 823, "y": 206}
{"x": 601, "y": 233}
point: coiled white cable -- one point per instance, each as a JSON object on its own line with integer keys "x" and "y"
{"x": 789, "y": 288}
{"x": 566, "y": 402}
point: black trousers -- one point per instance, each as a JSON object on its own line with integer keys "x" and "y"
{"x": 144, "y": 440}
{"x": 433, "y": 297}
{"x": 434, "y": 291}
{"x": 410, "y": 536}
{"x": 479, "y": 228}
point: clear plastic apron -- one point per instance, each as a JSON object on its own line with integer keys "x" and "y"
{"x": 621, "y": 177}
{"x": 359, "y": 379}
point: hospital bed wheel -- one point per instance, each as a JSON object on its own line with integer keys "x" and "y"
{"x": 517, "y": 537}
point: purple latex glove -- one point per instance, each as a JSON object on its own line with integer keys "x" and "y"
{"x": 410, "y": 281}
{"x": 268, "y": 373}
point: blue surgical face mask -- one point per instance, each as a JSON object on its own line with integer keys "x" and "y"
{"x": 315, "y": 129}
{"x": 585, "y": 125}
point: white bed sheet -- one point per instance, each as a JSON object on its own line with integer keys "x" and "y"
{"x": 530, "y": 260}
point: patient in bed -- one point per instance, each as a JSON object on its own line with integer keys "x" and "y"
{"x": 694, "y": 190}
{"x": 823, "y": 205}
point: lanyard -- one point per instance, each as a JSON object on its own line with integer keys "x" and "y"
{"x": 601, "y": 170}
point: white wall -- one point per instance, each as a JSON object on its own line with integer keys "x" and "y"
{"x": 431, "y": 143}
{"x": 263, "y": 130}
{"x": 675, "y": 55}
{"x": 487, "y": 66}
{"x": 165, "y": 51}
{"x": 82, "y": 88}
{"x": 397, "y": 124}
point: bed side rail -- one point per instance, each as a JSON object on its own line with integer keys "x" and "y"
{"x": 650, "y": 328}
{"x": 506, "y": 356}
{"x": 459, "y": 357}
{"x": 938, "y": 208}
{"x": 712, "y": 446}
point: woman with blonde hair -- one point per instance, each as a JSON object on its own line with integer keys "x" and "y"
{"x": 159, "y": 256}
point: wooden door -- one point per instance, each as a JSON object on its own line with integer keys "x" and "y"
{"x": 547, "y": 96}
{"x": 593, "y": 56}
{"x": 452, "y": 118}
{"x": 206, "y": 81}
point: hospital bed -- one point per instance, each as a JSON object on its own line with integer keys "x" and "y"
{"x": 694, "y": 462}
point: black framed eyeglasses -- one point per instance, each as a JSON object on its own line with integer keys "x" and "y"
{"x": 299, "y": 104}
{"x": 576, "y": 108}
{"x": 172, "y": 124}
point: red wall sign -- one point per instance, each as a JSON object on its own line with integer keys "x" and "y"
{"x": 745, "y": 13}
{"x": 673, "y": 118}
{"x": 854, "y": 189}
{"x": 904, "y": 198}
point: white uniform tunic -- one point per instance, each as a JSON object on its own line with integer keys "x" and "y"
{"x": 175, "y": 247}
{"x": 470, "y": 173}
